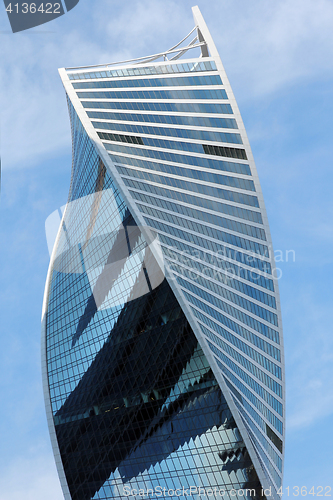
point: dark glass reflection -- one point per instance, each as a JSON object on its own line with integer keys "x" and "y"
{"x": 130, "y": 411}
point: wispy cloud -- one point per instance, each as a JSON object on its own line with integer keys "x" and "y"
{"x": 309, "y": 347}
{"x": 264, "y": 47}
{"x": 267, "y": 45}
{"x": 34, "y": 121}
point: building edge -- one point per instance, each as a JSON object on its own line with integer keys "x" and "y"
{"x": 45, "y": 378}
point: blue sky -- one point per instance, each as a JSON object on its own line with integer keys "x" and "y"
{"x": 278, "y": 56}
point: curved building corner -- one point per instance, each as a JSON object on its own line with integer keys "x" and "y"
{"x": 162, "y": 346}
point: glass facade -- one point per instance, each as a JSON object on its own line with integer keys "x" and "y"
{"x": 162, "y": 330}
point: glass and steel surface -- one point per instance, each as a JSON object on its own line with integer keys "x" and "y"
{"x": 162, "y": 340}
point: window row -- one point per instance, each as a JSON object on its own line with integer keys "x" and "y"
{"x": 146, "y": 70}
{"x": 245, "y": 363}
{"x": 164, "y": 95}
{"x": 221, "y": 222}
{"x": 256, "y": 388}
{"x": 229, "y": 323}
{"x": 215, "y": 259}
{"x": 246, "y": 304}
{"x": 195, "y": 239}
{"x": 172, "y": 107}
{"x": 198, "y": 228}
{"x": 266, "y": 451}
{"x": 241, "y": 213}
{"x": 200, "y": 135}
{"x": 267, "y": 462}
{"x": 240, "y": 154}
{"x": 249, "y": 409}
{"x": 189, "y": 147}
{"x": 211, "y": 191}
{"x": 220, "y": 275}
{"x": 252, "y": 353}
{"x": 227, "y": 308}
{"x": 265, "y": 446}
{"x": 201, "y": 216}
{"x": 243, "y": 332}
{"x": 174, "y": 157}
{"x": 219, "y": 250}
{"x": 194, "y": 121}
{"x": 181, "y": 81}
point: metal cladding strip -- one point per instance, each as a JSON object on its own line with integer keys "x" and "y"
{"x": 253, "y": 448}
{"x": 45, "y": 378}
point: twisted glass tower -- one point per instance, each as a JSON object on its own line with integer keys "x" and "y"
{"x": 161, "y": 331}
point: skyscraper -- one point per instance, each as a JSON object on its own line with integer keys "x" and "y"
{"x": 161, "y": 333}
